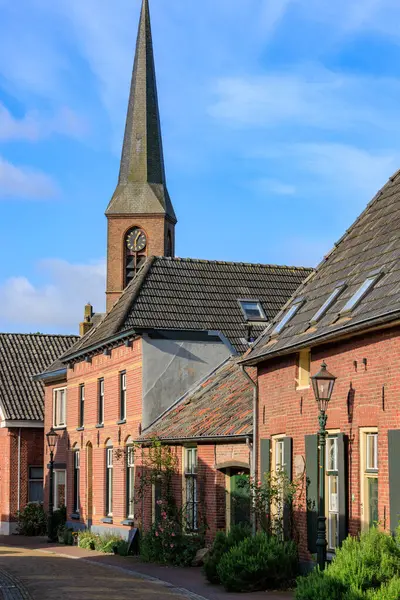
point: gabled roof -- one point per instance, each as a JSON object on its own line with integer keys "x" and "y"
{"x": 21, "y": 357}
{"x": 220, "y": 406}
{"x": 371, "y": 245}
{"x": 192, "y": 295}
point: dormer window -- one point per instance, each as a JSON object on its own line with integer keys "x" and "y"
{"x": 289, "y": 314}
{"x": 327, "y": 304}
{"x": 252, "y": 310}
{"x": 361, "y": 293}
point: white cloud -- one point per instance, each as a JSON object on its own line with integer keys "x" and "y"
{"x": 34, "y": 126}
{"x": 25, "y": 183}
{"x": 309, "y": 96}
{"x": 58, "y": 304}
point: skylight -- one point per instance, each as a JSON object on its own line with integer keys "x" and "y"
{"x": 327, "y": 304}
{"x": 252, "y": 310}
{"x": 289, "y": 314}
{"x": 360, "y": 293}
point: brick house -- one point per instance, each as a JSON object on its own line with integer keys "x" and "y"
{"x": 21, "y": 419}
{"x": 171, "y": 326}
{"x": 347, "y": 314}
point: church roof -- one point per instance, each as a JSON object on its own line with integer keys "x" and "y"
{"x": 141, "y": 185}
{"x": 195, "y": 295}
{"x": 220, "y": 406}
{"x": 21, "y": 357}
{"x": 356, "y": 286}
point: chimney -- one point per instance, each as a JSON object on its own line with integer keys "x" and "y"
{"x": 87, "y": 320}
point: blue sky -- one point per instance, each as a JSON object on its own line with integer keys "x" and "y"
{"x": 281, "y": 119}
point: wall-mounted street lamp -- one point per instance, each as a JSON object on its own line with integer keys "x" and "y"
{"x": 323, "y": 383}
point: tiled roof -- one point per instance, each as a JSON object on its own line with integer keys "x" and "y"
{"x": 371, "y": 243}
{"x": 189, "y": 294}
{"x": 220, "y": 406}
{"x": 21, "y": 357}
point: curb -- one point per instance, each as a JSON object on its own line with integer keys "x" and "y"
{"x": 182, "y": 591}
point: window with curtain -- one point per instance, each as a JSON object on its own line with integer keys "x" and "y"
{"x": 130, "y": 481}
{"x": 191, "y": 488}
{"x": 109, "y": 481}
{"x": 76, "y": 480}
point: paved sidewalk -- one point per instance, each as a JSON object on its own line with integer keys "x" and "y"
{"x": 190, "y": 579}
{"x": 27, "y": 574}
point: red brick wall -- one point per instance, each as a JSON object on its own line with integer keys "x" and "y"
{"x": 285, "y": 410}
{"x": 156, "y": 228}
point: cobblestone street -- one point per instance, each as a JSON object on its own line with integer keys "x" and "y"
{"x": 28, "y": 574}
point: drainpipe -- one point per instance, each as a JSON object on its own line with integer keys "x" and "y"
{"x": 253, "y": 459}
{"x": 19, "y": 470}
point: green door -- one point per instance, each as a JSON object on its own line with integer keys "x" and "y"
{"x": 240, "y": 498}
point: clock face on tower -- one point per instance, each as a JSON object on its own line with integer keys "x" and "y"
{"x": 136, "y": 240}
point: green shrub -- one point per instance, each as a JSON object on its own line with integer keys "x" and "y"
{"x": 367, "y": 567}
{"x": 32, "y": 520}
{"x": 122, "y": 548}
{"x": 390, "y": 591}
{"x": 107, "y": 541}
{"x": 222, "y": 544}
{"x": 258, "y": 563}
{"x": 59, "y": 518}
{"x": 165, "y": 543}
{"x": 87, "y": 540}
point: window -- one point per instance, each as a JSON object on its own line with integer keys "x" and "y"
{"x": 60, "y": 492}
{"x": 369, "y": 489}
{"x": 332, "y": 482}
{"x": 122, "y": 396}
{"x": 59, "y": 407}
{"x": 303, "y": 380}
{"x": 35, "y": 485}
{"x": 289, "y": 314}
{"x": 81, "y": 405}
{"x": 327, "y": 304}
{"x": 252, "y": 310}
{"x": 130, "y": 481}
{"x": 191, "y": 488}
{"x": 76, "y": 480}
{"x": 100, "y": 416}
{"x": 360, "y": 293}
{"x": 109, "y": 481}
{"x": 278, "y": 469}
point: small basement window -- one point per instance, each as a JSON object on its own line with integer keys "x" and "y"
{"x": 360, "y": 293}
{"x": 289, "y": 314}
{"x": 327, "y": 304}
{"x": 252, "y": 310}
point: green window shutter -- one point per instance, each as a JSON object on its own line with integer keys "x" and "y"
{"x": 265, "y": 447}
{"x": 311, "y": 443}
{"x": 394, "y": 477}
{"x": 343, "y": 486}
{"x": 287, "y": 509}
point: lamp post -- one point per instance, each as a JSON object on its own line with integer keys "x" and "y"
{"x": 51, "y": 437}
{"x": 323, "y": 383}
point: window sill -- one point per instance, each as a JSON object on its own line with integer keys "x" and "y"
{"x": 99, "y": 425}
{"x": 121, "y": 422}
{"x": 59, "y": 427}
{"x": 80, "y": 429}
{"x": 75, "y": 516}
{"x": 107, "y": 520}
{"x": 302, "y": 387}
{"x": 128, "y": 522}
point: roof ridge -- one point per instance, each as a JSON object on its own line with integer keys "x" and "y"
{"x": 63, "y": 335}
{"x": 230, "y": 262}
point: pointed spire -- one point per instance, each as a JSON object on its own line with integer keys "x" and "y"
{"x": 141, "y": 185}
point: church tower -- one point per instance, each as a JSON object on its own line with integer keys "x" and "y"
{"x": 141, "y": 219}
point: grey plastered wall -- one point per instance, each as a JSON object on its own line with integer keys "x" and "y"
{"x": 171, "y": 367}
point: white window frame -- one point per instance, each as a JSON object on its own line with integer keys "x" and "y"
{"x": 34, "y": 480}
{"x": 332, "y": 502}
{"x": 56, "y": 498}
{"x": 100, "y": 401}
{"x": 77, "y": 480}
{"x": 257, "y": 305}
{"x": 366, "y": 472}
{"x": 59, "y": 417}
{"x": 191, "y": 488}
{"x": 82, "y": 405}
{"x": 286, "y": 317}
{"x": 109, "y": 481}
{"x": 122, "y": 395}
{"x": 371, "y": 460}
{"x": 327, "y": 304}
{"x": 130, "y": 481}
